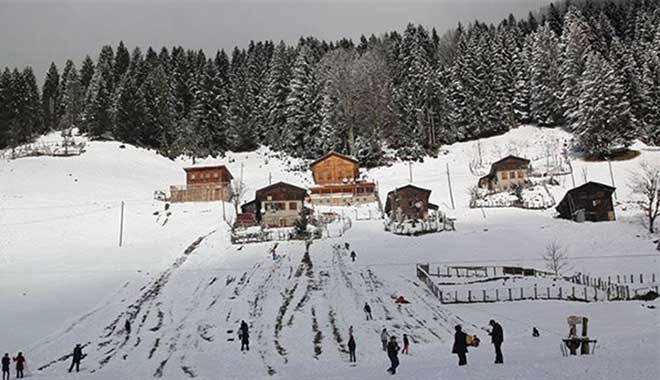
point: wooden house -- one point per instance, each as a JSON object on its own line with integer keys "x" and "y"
{"x": 277, "y": 205}
{"x": 506, "y": 174}
{"x": 589, "y": 202}
{"x": 204, "y": 184}
{"x": 338, "y": 183}
{"x": 409, "y": 203}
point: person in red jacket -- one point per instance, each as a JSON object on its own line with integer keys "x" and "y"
{"x": 20, "y": 365}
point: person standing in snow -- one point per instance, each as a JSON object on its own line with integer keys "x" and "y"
{"x": 406, "y": 344}
{"x": 535, "y": 332}
{"x": 77, "y": 358}
{"x": 367, "y": 311}
{"x": 6, "y": 362}
{"x": 20, "y": 365}
{"x": 127, "y": 326}
{"x": 244, "y": 335}
{"x": 497, "y": 337}
{"x": 460, "y": 345}
{"x": 392, "y": 353}
{"x": 351, "y": 348}
{"x": 353, "y": 256}
{"x": 384, "y": 337}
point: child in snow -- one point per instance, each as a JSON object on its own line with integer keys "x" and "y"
{"x": 406, "y": 344}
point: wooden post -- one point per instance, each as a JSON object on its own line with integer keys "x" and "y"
{"x": 451, "y": 193}
{"x": 595, "y": 294}
{"x": 585, "y": 294}
{"x": 641, "y": 278}
{"x": 625, "y": 279}
{"x": 573, "y": 293}
{"x": 608, "y": 293}
{"x": 560, "y": 293}
{"x": 469, "y": 295}
{"x": 522, "y": 295}
{"x": 652, "y": 277}
{"x": 484, "y": 295}
{"x": 609, "y": 163}
{"x": 618, "y": 280}
{"x": 121, "y": 225}
{"x": 456, "y": 296}
{"x": 609, "y": 280}
{"x": 510, "y": 295}
{"x": 441, "y": 298}
{"x": 536, "y": 293}
{"x": 548, "y": 292}
{"x": 497, "y": 295}
{"x": 632, "y": 278}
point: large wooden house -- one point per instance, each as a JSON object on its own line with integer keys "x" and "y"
{"x": 506, "y": 174}
{"x": 337, "y": 181}
{"x": 204, "y": 184}
{"x": 408, "y": 203}
{"x": 589, "y": 202}
{"x": 276, "y": 205}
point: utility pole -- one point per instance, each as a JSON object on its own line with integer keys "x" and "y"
{"x": 609, "y": 163}
{"x": 121, "y": 224}
{"x": 410, "y": 171}
{"x": 270, "y": 178}
{"x": 451, "y": 193}
{"x": 571, "y": 167}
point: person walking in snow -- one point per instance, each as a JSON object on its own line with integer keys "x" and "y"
{"x": 535, "y": 332}
{"x": 127, "y": 326}
{"x": 367, "y": 311}
{"x": 497, "y": 337}
{"x": 6, "y": 362}
{"x": 460, "y": 345}
{"x": 393, "y": 354}
{"x": 20, "y": 365}
{"x": 77, "y": 358}
{"x": 406, "y": 344}
{"x": 384, "y": 337}
{"x": 244, "y": 336}
{"x": 353, "y": 256}
{"x": 351, "y": 348}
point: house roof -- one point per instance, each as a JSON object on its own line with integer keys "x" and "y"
{"x": 513, "y": 158}
{"x": 333, "y": 153}
{"x": 208, "y": 167}
{"x": 589, "y": 184}
{"x": 281, "y": 184}
{"x": 409, "y": 186}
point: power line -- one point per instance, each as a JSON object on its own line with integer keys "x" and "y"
{"x": 37, "y": 221}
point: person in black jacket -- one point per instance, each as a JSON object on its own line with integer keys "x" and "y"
{"x": 497, "y": 337}
{"x": 77, "y": 357}
{"x": 351, "y": 349}
{"x": 6, "y": 362}
{"x": 244, "y": 335}
{"x": 460, "y": 346}
{"x": 367, "y": 311}
{"x": 392, "y": 353}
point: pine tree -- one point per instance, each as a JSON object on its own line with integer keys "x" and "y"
{"x": 128, "y": 111}
{"x": 574, "y": 51}
{"x": 86, "y": 73}
{"x": 209, "y": 110}
{"x": 603, "y": 119}
{"x": 299, "y": 103}
{"x": 651, "y": 97}
{"x": 30, "y": 112}
{"x": 522, "y": 100}
{"x": 122, "y": 61}
{"x": 159, "y": 123}
{"x": 275, "y": 96}
{"x": 6, "y": 95}
{"x": 51, "y": 98}
{"x": 72, "y": 100}
{"x": 545, "y": 104}
{"x": 97, "y": 120}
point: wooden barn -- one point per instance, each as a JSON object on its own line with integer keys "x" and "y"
{"x": 590, "y": 202}
{"x": 409, "y": 203}
{"x": 277, "y": 205}
{"x": 506, "y": 174}
{"x": 204, "y": 184}
{"x": 338, "y": 183}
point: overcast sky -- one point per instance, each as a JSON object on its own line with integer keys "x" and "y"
{"x": 36, "y": 32}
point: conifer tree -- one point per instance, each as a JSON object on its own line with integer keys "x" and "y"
{"x": 544, "y": 79}
{"x": 122, "y": 61}
{"x": 86, "y": 73}
{"x": 51, "y": 98}
{"x": 72, "y": 100}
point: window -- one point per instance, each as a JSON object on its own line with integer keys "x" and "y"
{"x": 521, "y": 174}
{"x": 293, "y": 206}
{"x": 505, "y": 175}
{"x": 192, "y": 176}
{"x": 512, "y": 175}
{"x": 215, "y": 175}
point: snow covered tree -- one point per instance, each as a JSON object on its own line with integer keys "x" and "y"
{"x": 603, "y": 118}
{"x": 97, "y": 120}
{"x": 129, "y": 111}
{"x": 275, "y": 95}
{"x": 159, "y": 128}
{"x": 122, "y": 60}
{"x": 86, "y": 73}
{"x": 51, "y": 98}
{"x": 545, "y": 90}
{"x": 574, "y": 50}
{"x": 209, "y": 109}
{"x": 299, "y": 103}
{"x": 72, "y": 100}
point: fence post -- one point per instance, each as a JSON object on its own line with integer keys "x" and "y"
{"x": 632, "y": 278}
{"x": 641, "y": 278}
{"x": 656, "y": 289}
{"x": 456, "y": 296}
{"x": 573, "y": 294}
{"x": 547, "y": 292}
{"x": 653, "y": 278}
{"x": 522, "y": 295}
{"x": 510, "y": 295}
{"x": 618, "y": 280}
{"x": 608, "y": 293}
{"x": 595, "y": 294}
{"x": 560, "y": 293}
{"x": 497, "y": 295}
{"x": 536, "y": 293}
{"x": 585, "y": 294}
{"x": 609, "y": 280}
{"x": 441, "y": 298}
{"x": 484, "y": 295}
{"x": 470, "y": 296}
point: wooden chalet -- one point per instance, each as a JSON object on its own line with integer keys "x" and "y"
{"x": 589, "y": 202}
{"x": 506, "y": 174}
{"x": 204, "y": 184}
{"x": 408, "y": 203}
{"x": 276, "y": 205}
{"x": 337, "y": 179}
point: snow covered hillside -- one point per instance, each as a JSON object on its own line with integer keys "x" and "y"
{"x": 185, "y": 288}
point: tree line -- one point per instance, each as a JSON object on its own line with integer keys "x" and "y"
{"x": 590, "y": 67}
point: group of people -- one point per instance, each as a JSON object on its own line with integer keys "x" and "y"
{"x": 20, "y": 365}
{"x": 462, "y": 341}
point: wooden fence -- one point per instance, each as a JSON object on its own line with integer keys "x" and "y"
{"x": 583, "y": 289}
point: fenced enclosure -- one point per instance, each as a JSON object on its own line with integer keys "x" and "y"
{"x": 507, "y": 284}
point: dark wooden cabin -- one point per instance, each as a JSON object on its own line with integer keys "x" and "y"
{"x": 408, "y": 203}
{"x": 589, "y": 202}
{"x": 277, "y": 205}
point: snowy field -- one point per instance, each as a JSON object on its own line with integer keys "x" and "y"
{"x": 64, "y": 280}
